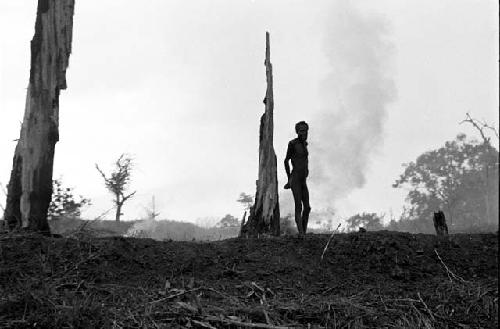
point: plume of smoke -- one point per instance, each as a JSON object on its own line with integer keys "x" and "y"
{"x": 348, "y": 127}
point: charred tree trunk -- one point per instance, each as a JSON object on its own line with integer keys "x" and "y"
{"x": 243, "y": 220}
{"x": 264, "y": 214}
{"x": 440, "y": 223}
{"x": 12, "y": 213}
{"x": 30, "y": 185}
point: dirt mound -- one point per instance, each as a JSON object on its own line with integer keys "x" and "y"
{"x": 370, "y": 280}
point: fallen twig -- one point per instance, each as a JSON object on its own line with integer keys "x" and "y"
{"x": 258, "y": 287}
{"x": 204, "y": 324}
{"x": 266, "y": 315}
{"x": 451, "y": 275}
{"x": 174, "y": 295}
{"x": 427, "y": 325}
{"x": 328, "y": 243}
{"x": 426, "y": 307}
{"x": 80, "y": 263}
{"x": 234, "y": 299}
{"x": 246, "y": 324}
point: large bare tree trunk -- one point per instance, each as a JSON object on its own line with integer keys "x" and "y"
{"x": 30, "y": 186}
{"x": 265, "y": 214}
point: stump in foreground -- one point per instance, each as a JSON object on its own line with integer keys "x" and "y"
{"x": 440, "y": 223}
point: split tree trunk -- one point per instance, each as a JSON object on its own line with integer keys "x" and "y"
{"x": 30, "y": 185}
{"x": 264, "y": 214}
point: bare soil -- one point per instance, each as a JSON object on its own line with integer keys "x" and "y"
{"x": 365, "y": 280}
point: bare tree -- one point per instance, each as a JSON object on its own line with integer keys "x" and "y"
{"x": 481, "y": 127}
{"x": 30, "y": 185}
{"x": 118, "y": 182}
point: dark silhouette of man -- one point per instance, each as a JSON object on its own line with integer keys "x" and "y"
{"x": 298, "y": 154}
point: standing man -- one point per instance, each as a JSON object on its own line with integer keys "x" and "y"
{"x": 297, "y": 152}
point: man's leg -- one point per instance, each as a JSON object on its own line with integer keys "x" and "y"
{"x": 307, "y": 207}
{"x": 297, "y": 198}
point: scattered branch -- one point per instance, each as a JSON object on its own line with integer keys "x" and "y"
{"x": 451, "y": 275}
{"x": 245, "y": 324}
{"x": 328, "y": 243}
{"x": 178, "y": 294}
{"x": 426, "y": 307}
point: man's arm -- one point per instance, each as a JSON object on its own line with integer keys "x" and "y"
{"x": 287, "y": 159}
{"x": 287, "y": 167}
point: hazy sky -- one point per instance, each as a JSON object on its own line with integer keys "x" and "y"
{"x": 179, "y": 85}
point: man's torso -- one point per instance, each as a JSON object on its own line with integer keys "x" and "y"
{"x": 297, "y": 152}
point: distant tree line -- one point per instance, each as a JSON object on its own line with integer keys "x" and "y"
{"x": 460, "y": 178}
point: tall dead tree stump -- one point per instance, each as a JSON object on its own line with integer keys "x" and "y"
{"x": 30, "y": 187}
{"x": 440, "y": 223}
{"x": 264, "y": 215}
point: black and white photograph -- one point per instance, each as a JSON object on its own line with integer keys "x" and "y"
{"x": 249, "y": 164}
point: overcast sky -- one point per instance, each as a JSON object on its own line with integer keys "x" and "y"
{"x": 179, "y": 85}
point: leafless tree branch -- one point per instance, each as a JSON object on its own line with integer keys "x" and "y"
{"x": 126, "y": 197}
{"x": 480, "y": 126}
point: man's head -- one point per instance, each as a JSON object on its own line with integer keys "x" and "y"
{"x": 301, "y": 128}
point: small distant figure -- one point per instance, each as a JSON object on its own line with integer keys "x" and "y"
{"x": 298, "y": 154}
{"x": 440, "y": 223}
{"x": 362, "y": 230}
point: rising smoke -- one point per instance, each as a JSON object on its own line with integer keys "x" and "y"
{"x": 348, "y": 127}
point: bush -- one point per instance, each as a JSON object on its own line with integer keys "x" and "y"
{"x": 64, "y": 203}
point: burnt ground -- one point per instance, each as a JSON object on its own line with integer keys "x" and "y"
{"x": 365, "y": 280}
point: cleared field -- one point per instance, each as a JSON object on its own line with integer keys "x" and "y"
{"x": 370, "y": 280}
